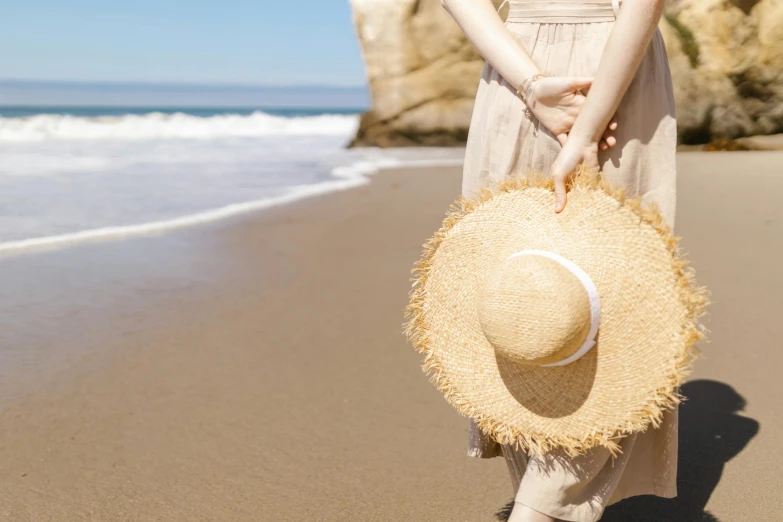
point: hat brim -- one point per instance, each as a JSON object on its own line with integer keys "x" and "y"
{"x": 650, "y": 307}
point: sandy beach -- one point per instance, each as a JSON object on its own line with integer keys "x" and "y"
{"x": 255, "y": 368}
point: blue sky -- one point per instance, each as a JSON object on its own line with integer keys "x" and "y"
{"x": 269, "y": 42}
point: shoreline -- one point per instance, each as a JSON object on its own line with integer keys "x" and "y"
{"x": 345, "y": 177}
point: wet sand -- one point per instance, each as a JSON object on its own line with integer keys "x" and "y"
{"x": 255, "y": 369}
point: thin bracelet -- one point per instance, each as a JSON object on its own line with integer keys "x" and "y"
{"x": 526, "y": 87}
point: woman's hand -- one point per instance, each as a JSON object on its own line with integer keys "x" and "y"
{"x": 556, "y": 102}
{"x": 573, "y": 153}
{"x": 620, "y": 60}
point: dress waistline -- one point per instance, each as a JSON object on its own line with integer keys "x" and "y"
{"x": 562, "y": 11}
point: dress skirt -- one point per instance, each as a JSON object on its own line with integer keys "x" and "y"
{"x": 567, "y": 38}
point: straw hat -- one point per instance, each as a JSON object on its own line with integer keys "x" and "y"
{"x": 556, "y": 331}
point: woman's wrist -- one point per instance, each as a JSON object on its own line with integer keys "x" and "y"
{"x": 590, "y": 125}
{"x": 523, "y": 72}
{"x": 587, "y": 151}
{"x": 583, "y": 138}
{"x": 523, "y": 78}
{"x": 526, "y": 88}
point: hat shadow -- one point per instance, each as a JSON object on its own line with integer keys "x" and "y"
{"x": 550, "y": 392}
{"x": 711, "y": 432}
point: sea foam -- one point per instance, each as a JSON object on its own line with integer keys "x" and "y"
{"x": 344, "y": 177}
{"x": 72, "y": 179}
{"x": 156, "y": 126}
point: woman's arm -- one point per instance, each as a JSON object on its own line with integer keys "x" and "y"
{"x": 621, "y": 57}
{"x": 482, "y": 25}
{"x": 555, "y": 101}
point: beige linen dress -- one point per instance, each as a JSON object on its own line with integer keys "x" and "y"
{"x": 566, "y": 38}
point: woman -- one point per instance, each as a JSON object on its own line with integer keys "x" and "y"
{"x": 549, "y": 53}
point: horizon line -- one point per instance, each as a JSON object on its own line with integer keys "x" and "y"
{"x": 143, "y": 83}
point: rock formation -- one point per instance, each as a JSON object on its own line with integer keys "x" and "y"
{"x": 726, "y": 58}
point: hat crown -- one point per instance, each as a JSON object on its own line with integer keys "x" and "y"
{"x": 533, "y": 310}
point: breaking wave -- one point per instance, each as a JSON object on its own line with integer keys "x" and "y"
{"x": 157, "y": 125}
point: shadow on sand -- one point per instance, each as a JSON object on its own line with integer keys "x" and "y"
{"x": 711, "y": 434}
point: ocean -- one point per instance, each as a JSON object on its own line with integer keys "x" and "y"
{"x": 73, "y": 174}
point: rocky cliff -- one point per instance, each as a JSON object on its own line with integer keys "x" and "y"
{"x": 726, "y": 58}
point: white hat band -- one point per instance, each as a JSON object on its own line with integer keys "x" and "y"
{"x": 592, "y": 294}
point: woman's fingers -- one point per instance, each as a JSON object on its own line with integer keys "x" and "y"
{"x": 568, "y": 159}
{"x": 562, "y": 138}
{"x": 560, "y": 192}
{"x": 579, "y": 82}
{"x": 557, "y": 86}
{"x": 608, "y": 139}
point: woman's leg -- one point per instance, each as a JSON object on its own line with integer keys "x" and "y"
{"x": 517, "y": 463}
{"x": 522, "y": 513}
{"x": 556, "y": 486}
